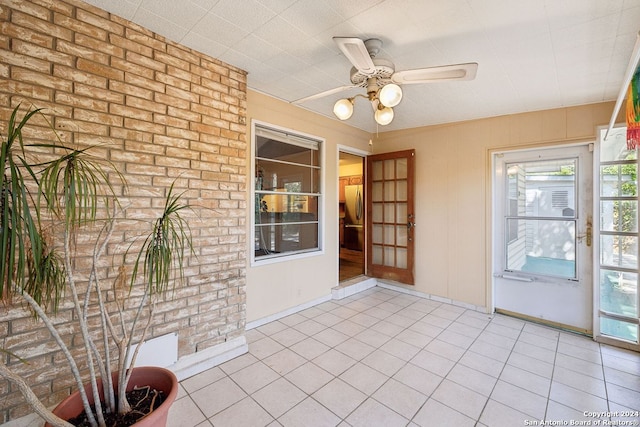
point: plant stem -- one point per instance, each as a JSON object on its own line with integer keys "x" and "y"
{"x": 32, "y": 399}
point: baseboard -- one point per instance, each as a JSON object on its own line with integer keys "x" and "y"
{"x": 404, "y": 290}
{"x": 352, "y": 287}
{"x": 200, "y": 361}
{"x": 263, "y": 321}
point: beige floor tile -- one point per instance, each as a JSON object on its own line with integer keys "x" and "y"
{"x": 309, "y": 348}
{"x": 245, "y": 413}
{"x": 435, "y": 413}
{"x": 364, "y": 378}
{"x": 218, "y": 396}
{"x": 419, "y": 379}
{"x": 400, "y": 349}
{"x": 576, "y": 399}
{"x": 284, "y": 361}
{"x": 203, "y": 379}
{"x": 372, "y": 413}
{"x": 339, "y": 397}
{"x": 309, "y": 413}
{"x": 330, "y": 337}
{"x": 526, "y": 380}
{"x": 519, "y": 399}
{"x": 334, "y": 362}
{"x": 185, "y": 412}
{"x": 496, "y": 414}
{"x": 383, "y": 362}
{"x": 279, "y": 397}
{"x": 254, "y": 377}
{"x": 470, "y": 378}
{"x": 355, "y": 349}
{"x": 403, "y": 399}
{"x": 309, "y": 377}
{"x": 460, "y": 398}
{"x": 580, "y": 381}
{"x": 439, "y": 365}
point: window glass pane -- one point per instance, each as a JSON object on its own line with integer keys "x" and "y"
{"x": 275, "y": 239}
{"x": 619, "y": 251}
{"x": 619, "y": 292}
{"x": 272, "y": 149}
{"x": 619, "y": 215}
{"x": 542, "y": 189}
{"x": 619, "y": 329}
{"x": 276, "y": 176}
{"x": 614, "y": 148}
{"x": 545, "y": 247}
{"x": 619, "y": 180}
{"x": 289, "y": 208}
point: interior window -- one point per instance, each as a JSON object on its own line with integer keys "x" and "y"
{"x": 287, "y": 193}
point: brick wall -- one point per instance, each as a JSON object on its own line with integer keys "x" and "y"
{"x": 162, "y": 113}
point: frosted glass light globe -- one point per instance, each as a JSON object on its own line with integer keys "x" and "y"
{"x": 343, "y": 109}
{"x": 390, "y": 95}
{"x": 384, "y": 116}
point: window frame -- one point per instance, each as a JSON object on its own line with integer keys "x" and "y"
{"x": 290, "y": 255}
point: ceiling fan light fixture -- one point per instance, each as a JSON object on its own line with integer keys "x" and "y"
{"x": 384, "y": 116}
{"x": 343, "y": 108}
{"x": 390, "y": 95}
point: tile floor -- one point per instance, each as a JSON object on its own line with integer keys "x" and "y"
{"x": 384, "y": 358}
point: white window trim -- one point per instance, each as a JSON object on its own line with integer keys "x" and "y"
{"x": 294, "y": 137}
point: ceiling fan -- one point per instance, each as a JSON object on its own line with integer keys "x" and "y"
{"x": 381, "y": 80}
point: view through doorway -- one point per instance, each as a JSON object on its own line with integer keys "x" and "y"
{"x": 351, "y": 209}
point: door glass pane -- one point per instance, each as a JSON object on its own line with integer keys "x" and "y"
{"x": 389, "y": 257}
{"x": 401, "y": 258}
{"x": 389, "y": 235}
{"x": 377, "y": 171}
{"x": 544, "y": 247}
{"x": 376, "y": 254}
{"x": 401, "y": 190}
{"x": 389, "y": 169}
{"x": 401, "y": 168}
{"x": 389, "y": 212}
{"x": 377, "y": 234}
{"x": 401, "y": 212}
{"x": 377, "y": 212}
{"x": 401, "y": 236}
{"x": 376, "y": 190}
{"x": 389, "y": 191}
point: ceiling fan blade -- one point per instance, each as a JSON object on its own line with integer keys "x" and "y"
{"x": 357, "y": 53}
{"x": 323, "y": 94}
{"x": 436, "y": 74}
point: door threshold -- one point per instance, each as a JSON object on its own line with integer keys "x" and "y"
{"x": 549, "y": 323}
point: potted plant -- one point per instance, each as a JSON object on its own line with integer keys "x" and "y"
{"x": 47, "y": 203}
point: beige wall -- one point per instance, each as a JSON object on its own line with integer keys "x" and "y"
{"x": 453, "y": 189}
{"x": 273, "y": 288}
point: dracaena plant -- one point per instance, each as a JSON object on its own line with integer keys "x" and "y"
{"x": 44, "y": 205}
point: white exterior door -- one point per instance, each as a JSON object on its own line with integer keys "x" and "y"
{"x": 542, "y": 243}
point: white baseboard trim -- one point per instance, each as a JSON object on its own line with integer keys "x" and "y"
{"x": 351, "y": 288}
{"x": 259, "y": 322}
{"x": 200, "y": 361}
{"x": 478, "y": 308}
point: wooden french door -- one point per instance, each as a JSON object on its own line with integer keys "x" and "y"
{"x": 390, "y": 216}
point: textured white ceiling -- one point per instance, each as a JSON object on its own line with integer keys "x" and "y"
{"x": 532, "y": 54}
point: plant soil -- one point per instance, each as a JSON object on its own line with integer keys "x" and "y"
{"x": 143, "y": 401}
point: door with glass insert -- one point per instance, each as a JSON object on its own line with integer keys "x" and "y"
{"x": 617, "y": 279}
{"x": 543, "y": 236}
{"x": 390, "y": 216}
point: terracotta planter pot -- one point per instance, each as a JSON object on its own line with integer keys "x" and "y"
{"x": 155, "y": 377}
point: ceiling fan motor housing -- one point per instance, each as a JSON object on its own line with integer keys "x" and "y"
{"x": 383, "y": 71}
